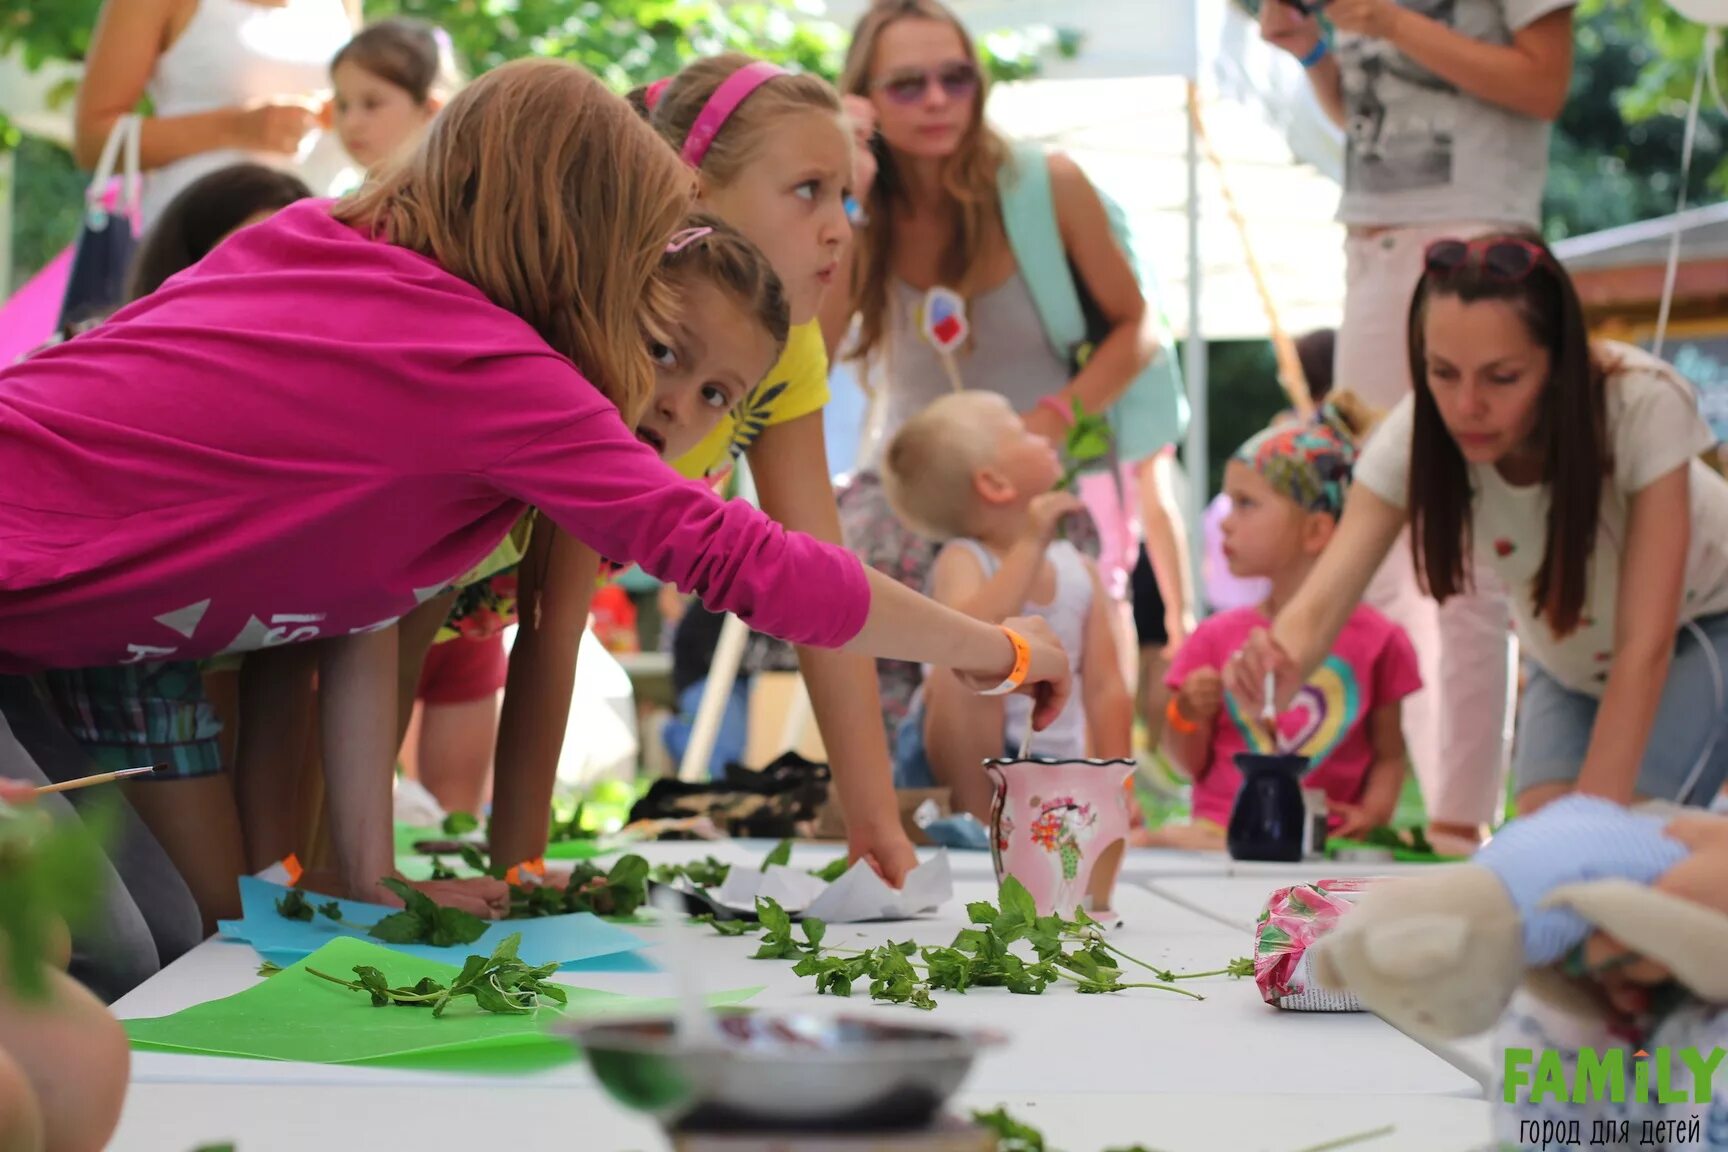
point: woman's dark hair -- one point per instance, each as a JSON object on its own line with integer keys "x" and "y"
{"x": 1315, "y": 350}
{"x": 1571, "y": 433}
{"x": 203, "y": 213}
{"x": 411, "y": 54}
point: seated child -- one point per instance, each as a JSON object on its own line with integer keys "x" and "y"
{"x": 1286, "y": 488}
{"x": 967, "y": 471}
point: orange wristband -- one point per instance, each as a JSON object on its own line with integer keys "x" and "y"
{"x": 535, "y": 868}
{"x": 1178, "y": 722}
{"x": 1022, "y": 666}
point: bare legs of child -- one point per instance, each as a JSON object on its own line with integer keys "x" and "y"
{"x": 961, "y": 730}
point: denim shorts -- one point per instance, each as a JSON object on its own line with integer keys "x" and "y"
{"x": 1688, "y": 742}
{"x": 912, "y": 768}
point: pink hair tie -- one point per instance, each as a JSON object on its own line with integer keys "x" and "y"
{"x": 733, "y": 92}
{"x": 655, "y": 90}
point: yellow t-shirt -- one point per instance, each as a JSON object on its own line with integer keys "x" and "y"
{"x": 796, "y": 386}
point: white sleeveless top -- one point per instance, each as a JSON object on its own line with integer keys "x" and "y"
{"x": 233, "y": 53}
{"x": 1066, "y": 614}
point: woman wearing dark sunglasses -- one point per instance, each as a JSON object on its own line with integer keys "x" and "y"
{"x": 1569, "y": 468}
{"x": 933, "y": 217}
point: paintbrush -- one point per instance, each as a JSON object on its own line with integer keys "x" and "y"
{"x": 100, "y": 778}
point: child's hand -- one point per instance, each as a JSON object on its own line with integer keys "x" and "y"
{"x": 1201, "y": 696}
{"x": 1361, "y": 819}
{"x": 481, "y": 896}
{"x": 1047, "y": 512}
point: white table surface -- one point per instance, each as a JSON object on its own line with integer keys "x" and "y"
{"x": 1138, "y": 864}
{"x": 1126, "y": 1043}
{"x": 265, "y": 1118}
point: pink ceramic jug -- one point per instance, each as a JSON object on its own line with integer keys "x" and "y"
{"x": 1060, "y": 828}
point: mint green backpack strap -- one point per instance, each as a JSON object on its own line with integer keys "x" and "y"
{"x": 1029, "y": 218}
{"x": 1153, "y": 412}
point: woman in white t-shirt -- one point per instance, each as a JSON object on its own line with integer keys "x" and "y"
{"x": 1569, "y": 468}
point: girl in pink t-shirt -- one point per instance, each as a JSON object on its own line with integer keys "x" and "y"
{"x": 341, "y": 410}
{"x": 1286, "y": 489}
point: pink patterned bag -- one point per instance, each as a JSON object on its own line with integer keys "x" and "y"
{"x": 1293, "y": 919}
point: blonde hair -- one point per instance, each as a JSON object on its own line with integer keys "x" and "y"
{"x": 542, "y": 189}
{"x": 725, "y": 258}
{"x": 969, "y": 178}
{"x": 928, "y": 468}
{"x": 674, "y": 111}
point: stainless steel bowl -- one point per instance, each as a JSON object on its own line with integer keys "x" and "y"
{"x": 783, "y": 1073}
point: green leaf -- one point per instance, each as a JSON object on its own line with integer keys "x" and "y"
{"x": 331, "y": 910}
{"x": 833, "y": 870}
{"x": 981, "y": 912}
{"x": 475, "y": 859}
{"x": 814, "y": 930}
{"x": 413, "y": 899}
{"x": 779, "y": 857}
{"x": 1011, "y": 1135}
{"x": 294, "y": 906}
{"x": 775, "y": 919}
{"x": 453, "y": 926}
{"x": 400, "y": 928}
{"x": 460, "y": 823}
{"x": 1017, "y": 902}
{"x": 442, "y": 871}
{"x": 270, "y": 969}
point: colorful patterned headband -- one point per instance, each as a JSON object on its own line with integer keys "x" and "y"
{"x": 732, "y": 92}
{"x": 1311, "y": 463}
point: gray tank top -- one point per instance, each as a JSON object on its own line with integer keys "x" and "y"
{"x": 1010, "y": 355}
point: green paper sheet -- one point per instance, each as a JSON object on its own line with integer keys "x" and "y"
{"x": 298, "y": 1017}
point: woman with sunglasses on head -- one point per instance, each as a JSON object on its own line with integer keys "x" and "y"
{"x": 933, "y": 216}
{"x": 1569, "y": 468}
{"x": 1447, "y": 107}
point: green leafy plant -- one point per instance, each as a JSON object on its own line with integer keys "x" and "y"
{"x": 1088, "y": 440}
{"x": 833, "y": 870}
{"x": 705, "y": 873}
{"x": 990, "y": 954}
{"x": 421, "y": 921}
{"x": 48, "y": 878}
{"x": 499, "y": 983}
{"x": 779, "y": 856}
{"x": 460, "y": 823}
{"x": 270, "y": 968}
{"x": 726, "y": 927}
{"x": 617, "y": 892}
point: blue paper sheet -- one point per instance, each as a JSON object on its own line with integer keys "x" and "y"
{"x": 578, "y": 942}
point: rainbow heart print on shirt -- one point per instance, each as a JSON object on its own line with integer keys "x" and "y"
{"x": 1324, "y": 710}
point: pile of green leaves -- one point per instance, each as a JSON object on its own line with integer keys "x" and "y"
{"x": 499, "y": 983}
{"x": 48, "y": 877}
{"x": 983, "y": 956}
{"x": 705, "y": 873}
{"x": 421, "y": 921}
{"x": 619, "y": 891}
{"x": 460, "y": 823}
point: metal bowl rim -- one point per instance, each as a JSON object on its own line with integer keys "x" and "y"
{"x": 949, "y": 1043}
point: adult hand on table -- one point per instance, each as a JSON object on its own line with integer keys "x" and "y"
{"x": 1245, "y": 673}
{"x": 1701, "y": 878}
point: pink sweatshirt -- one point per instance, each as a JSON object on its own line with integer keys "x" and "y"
{"x": 311, "y": 432}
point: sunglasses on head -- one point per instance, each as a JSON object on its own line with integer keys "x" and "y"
{"x": 958, "y": 80}
{"x": 1504, "y": 259}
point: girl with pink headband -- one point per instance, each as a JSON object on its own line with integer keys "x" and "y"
{"x": 774, "y": 156}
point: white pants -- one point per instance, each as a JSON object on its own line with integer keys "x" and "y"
{"x": 1459, "y": 727}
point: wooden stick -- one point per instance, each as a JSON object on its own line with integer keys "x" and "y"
{"x": 100, "y": 778}
{"x": 948, "y": 363}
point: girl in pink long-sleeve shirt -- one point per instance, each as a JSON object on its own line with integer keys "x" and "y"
{"x": 341, "y": 410}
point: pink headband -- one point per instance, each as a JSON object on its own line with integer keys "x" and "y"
{"x": 652, "y": 96}
{"x": 733, "y": 92}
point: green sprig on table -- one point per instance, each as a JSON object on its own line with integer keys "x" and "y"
{"x": 619, "y": 891}
{"x": 460, "y": 823}
{"x": 705, "y": 873}
{"x": 1013, "y": 1135}
{"x": 421, "y": 921}
{"x": 500, "y": 983}
{"x": 981, "y": 956}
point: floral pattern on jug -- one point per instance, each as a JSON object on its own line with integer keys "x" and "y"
{"x": 1066, "y": 847}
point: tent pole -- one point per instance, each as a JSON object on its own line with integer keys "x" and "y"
{"x": 1194, "y": 358}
